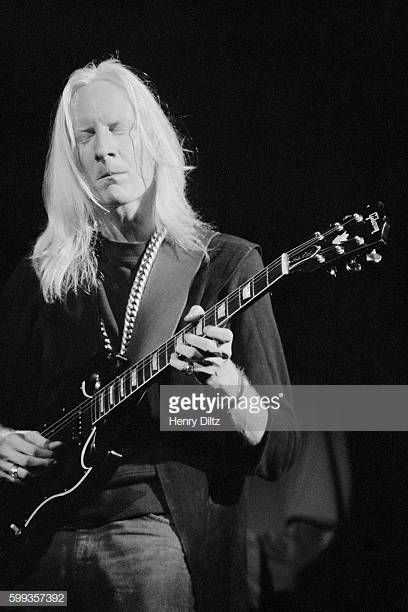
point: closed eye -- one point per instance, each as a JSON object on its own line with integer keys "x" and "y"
{"x": 85, "y": 135}
{"x": 118, "y": 128}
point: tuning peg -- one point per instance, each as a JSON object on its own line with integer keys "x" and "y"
{"x": 353, "y": 266}
{"x": 373, "y": 256}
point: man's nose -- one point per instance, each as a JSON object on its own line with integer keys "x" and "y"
{"x": 103, "y": 146}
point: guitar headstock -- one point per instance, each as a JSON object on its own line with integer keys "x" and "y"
{"x": 355, "y": 239}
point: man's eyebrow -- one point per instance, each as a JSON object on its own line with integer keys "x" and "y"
{"x": 82, "y": 125}
{"x": 125, "y": 122}
{"x": 86, "y": 125}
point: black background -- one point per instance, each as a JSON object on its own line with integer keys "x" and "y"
{"x": 296, "y": 113}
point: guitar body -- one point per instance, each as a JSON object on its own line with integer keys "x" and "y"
{"x": 31, "y": 512}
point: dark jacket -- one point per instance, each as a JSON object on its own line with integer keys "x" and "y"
{"x": 202, "y": 474}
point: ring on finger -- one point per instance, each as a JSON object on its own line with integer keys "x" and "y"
{"x": 14, "y": 472}
{"x": 189, "y": 369}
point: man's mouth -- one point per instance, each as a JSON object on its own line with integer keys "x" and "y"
{"x": 108, "y": 174}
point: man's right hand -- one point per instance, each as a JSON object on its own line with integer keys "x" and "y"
{"x": 25, "y": 454}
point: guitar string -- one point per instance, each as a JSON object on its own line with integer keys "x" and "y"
{"x": 125, "y": 376}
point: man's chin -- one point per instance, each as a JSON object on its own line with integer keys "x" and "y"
{"x": 117, "y": 204}
{"x": 112, "y": 198}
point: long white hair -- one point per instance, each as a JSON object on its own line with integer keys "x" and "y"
{"x": 63, "y": 256}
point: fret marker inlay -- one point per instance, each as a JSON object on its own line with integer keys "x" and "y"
{"x": 246, "y": 291}
{"x": 154, "y": 362}
{"x": 221, "y": 311}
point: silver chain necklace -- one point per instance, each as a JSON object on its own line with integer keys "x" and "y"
{"x": 136, "y": 292}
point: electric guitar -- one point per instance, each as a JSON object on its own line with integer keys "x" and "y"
{"x": 356, "y": 237}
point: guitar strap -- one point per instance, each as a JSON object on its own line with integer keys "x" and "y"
{"x": 164, "y": 298}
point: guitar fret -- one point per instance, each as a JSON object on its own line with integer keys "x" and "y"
{"x": 163, "y": 358}
{"x": 146, "y": 370}
{"x": 260, "y": 283}
{"x": 209, "y": 318}
{"x": 140, "y": 374}
{"x": 169, "y": 350}
{"x": 234, "y": 303}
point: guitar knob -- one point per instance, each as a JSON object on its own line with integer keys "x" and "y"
{"x": 373, "y": 256}
{"x": 97, "y": 384}
{"x": 16, "y": 530}
{"x": 353, "y": 266}
{"x": 333, "y": 272}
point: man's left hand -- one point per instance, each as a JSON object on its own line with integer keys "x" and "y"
{"x": 208, "y": 355}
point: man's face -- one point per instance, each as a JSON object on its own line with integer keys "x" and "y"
{"x": 103, "y": 121}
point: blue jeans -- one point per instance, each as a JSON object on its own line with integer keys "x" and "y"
{"x": 135, "y": 564}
